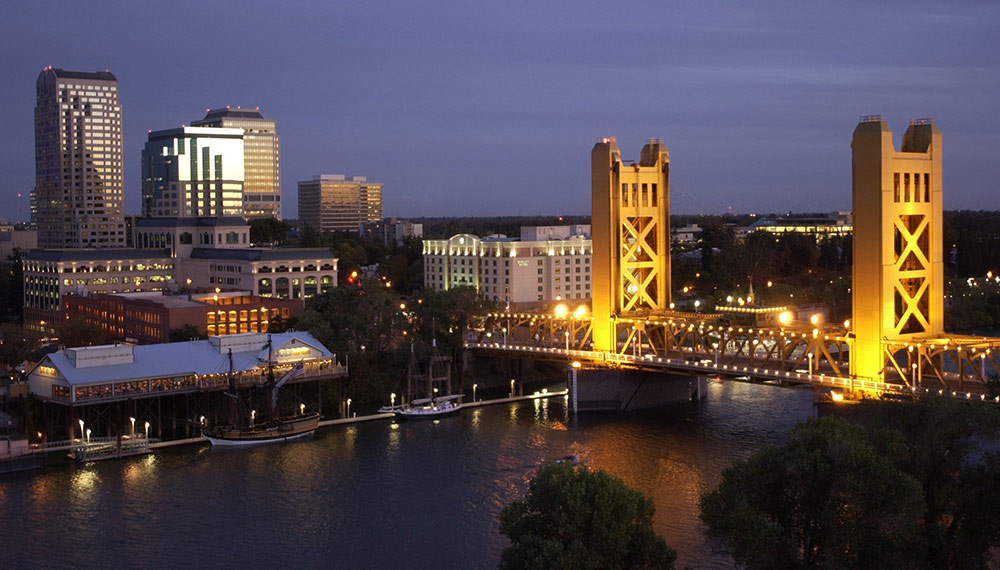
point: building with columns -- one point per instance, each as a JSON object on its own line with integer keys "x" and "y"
{"x": 177, "y": 254}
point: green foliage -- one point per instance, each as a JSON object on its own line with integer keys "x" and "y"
{"x": 953, "y": 455}
{"x": 268, "y": 231}
{"x": 830, "y": 498}
{"x": 12, "y": 287}
{"x": 17, "y": 344}
{"x": 78, "y": 332}
{"x": 350, "y": 317}
{"x": 187, "y": 332}
{"x": 447, "y": 315}
{"x": 309, "y": 237}
{"x": 574, "y": 518}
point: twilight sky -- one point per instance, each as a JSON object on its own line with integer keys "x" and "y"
{"x": 491, "y": 108}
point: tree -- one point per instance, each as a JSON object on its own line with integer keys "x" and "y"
{"x": 268, "y": 231}
{"x": 17, "y": 344}
{"x": 832, "y": 497}
{"x": 953, "y": 455}
{"x": 187, "y": 332}
{"x": 78, "y": 332}
{"x": 574, "y": 518}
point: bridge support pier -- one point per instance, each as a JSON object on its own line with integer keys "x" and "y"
{"x": 601, "y": 390}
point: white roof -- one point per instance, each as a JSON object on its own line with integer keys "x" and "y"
{"x": 175, "y": 359}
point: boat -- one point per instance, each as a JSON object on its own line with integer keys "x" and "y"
{"x": 16, "y": 454}
{"x": 270, "y": 430}
{"x": 432, "y": 405}
{"x": 426, "y": 408}
{"x": 278, "y": 429}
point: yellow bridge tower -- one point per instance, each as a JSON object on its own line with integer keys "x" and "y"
{"x": 898, "y": 280}
{"x": 630, "y": 229}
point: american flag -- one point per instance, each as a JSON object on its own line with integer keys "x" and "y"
{"x": 297, "y": 371}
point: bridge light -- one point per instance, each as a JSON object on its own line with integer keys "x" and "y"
{"x": 847, "y": 324}
{"x": 580, "y": 311}
{"x": 561, "y": 310}
{"x": 785, "y": 317}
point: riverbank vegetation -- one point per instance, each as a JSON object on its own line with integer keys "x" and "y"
{"x": 906, "y": 485}
{"x": 577, "y": 519}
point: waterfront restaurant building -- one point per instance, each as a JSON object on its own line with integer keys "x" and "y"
{"x": 547, "y": 263}
{"x": 91, "y": 375}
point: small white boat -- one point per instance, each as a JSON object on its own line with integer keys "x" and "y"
{"x": 427, "y": 408}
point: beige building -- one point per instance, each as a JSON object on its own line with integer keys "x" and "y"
{"x": 261, "y": 158}
{"x": 78, "y": 199}
{"x": 334, "y": 202}
{"x": 546, "y": 263}
{"x": 898, "y": 274}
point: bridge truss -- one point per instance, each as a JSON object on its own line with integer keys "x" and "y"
{"x": 707, "y": 344}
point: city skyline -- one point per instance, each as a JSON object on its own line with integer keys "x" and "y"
{"x": 463, "y": 110}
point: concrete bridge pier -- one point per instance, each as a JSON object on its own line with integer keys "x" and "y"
{"x": 603, "y": 390}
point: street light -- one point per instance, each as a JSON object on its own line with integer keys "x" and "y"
{"x": 511, "y": 387}
{"x": 715, "y": 345}
{"x": 253, "y": 416}
{"x": 302, "y": 409}
{"x": 566, "y": 334}
{"x": 88, "y": 435}
{"x": 392, "y": 400}
{"x": 81, "y": 429}
{"x": 474, "y": 386}
{"x": 810, "y": 357}
{"x": 147, "y": 430}
{"x": 132, "y": 419}
{"x": 348, "y": 407}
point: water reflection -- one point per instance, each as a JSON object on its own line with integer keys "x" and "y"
{"x": 363, "y": 494}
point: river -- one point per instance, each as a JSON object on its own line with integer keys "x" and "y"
{"x": 380, "y": 494}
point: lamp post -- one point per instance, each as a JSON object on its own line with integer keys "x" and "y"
{"x": 566, "y": 334}
{"x": 511, "y": 389}
{"x": 302, "y": 409}
{"x": 147, "y": 430}
{"x": 253, "y": 416}
{"x": 132, "y": 431}
{"x": 81, "y": 429}
{"x": 715, "y": 345}
{"x": 810, "y": 356}
{"x": 348, "y": 407}
{"x": 474, "y": 386}
{"x": 392, "y": 400}
{"x": 88, "y": 435}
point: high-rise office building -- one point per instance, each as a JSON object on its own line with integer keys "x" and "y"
{"x": 261, "y": 158}
{"x": 193, "y": 172}
{"x": 79, "y": 185}
{"x": 334, "y": 202}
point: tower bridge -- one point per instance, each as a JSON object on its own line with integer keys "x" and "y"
{"x": 894, "y": 344}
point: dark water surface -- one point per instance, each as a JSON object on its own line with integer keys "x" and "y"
{"x": 378, "y": 494}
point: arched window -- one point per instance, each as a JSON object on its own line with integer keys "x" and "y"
{"x": 264, "y": 288}
{"x": 281, "y": 287}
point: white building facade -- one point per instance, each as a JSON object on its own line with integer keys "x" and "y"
{"x": 548, "y": 263}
